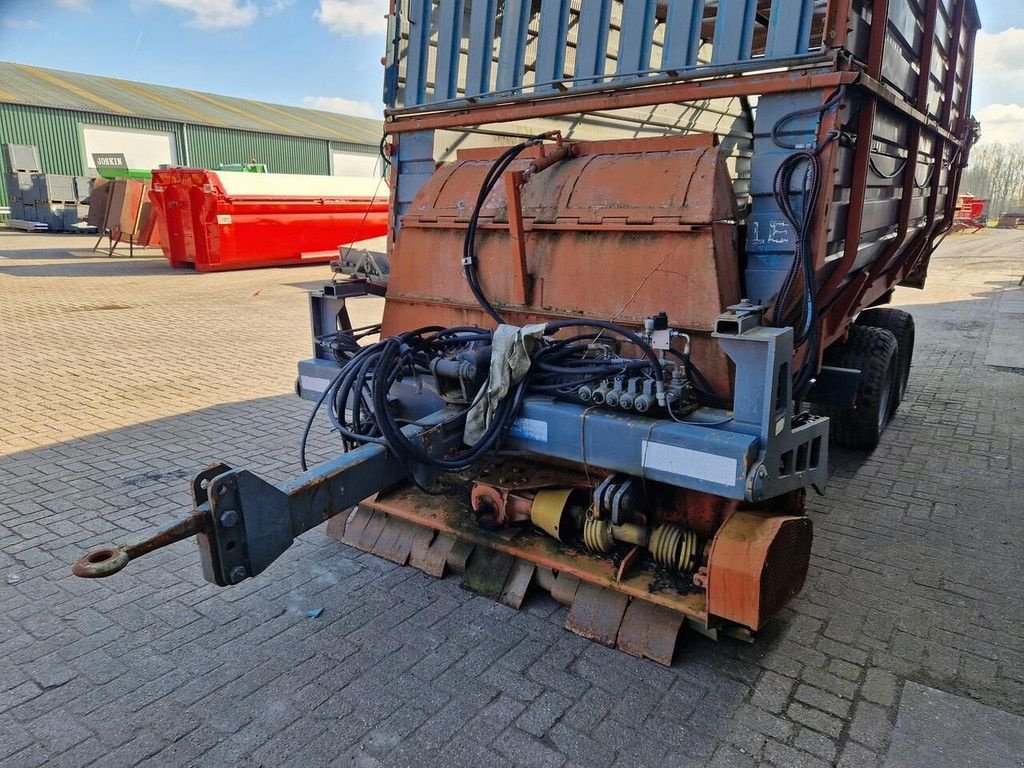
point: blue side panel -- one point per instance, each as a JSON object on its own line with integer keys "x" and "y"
{"x": 684, "y": 455}
{"x": 592, "y": 40}
{"x": 449, "y": 35}
{"x": 481, "y": 45}
{"x": 682, "y": 34}
{"x": 419, "y": 46}
{"x": 415, "y": 166}
{"x": 770, "y": 243}
{"x": 554, "y": 29}
{"x": 734, "y": 31}
{"x": 635, "y": 36}
{"x": 514, "y": 27}
{"x": 789, "y": 31}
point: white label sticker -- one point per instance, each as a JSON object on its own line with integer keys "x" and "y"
{"x": 689, "y": 463}
{"x": 530, "y": 429}
{"x": 313, "y": 384}
{"x": 223, "y": 218}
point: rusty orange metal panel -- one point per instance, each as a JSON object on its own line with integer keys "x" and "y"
{"x": 756, "y": 564}
{"x": 649, "y": 224}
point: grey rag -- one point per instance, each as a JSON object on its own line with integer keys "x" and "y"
{"x": 510, "y": 360}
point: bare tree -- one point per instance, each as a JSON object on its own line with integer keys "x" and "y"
{"x": 996, "y": 172}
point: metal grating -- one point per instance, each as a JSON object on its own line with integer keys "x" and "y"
{"x": 488, "y": 50}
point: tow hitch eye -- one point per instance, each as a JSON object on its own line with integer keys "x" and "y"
{"x": 105, "y": 561}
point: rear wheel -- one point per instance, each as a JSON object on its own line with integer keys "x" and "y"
{"x": 901, "y": 325}
{"x": 872, "y": 351}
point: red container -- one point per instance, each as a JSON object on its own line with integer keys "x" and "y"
{"x": 223, "y": 220}
{"x": 969, "y": 208}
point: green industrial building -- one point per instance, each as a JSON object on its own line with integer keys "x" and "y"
{"x": 71, "y": 116}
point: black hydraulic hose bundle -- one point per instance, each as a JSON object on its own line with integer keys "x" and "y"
{"x": 469, "y": 243}
{"x": 358, "y": 397}
{"x": 801, "y": 221}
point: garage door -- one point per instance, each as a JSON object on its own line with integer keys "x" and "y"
{"x": 142, "y": 149}
{"x": 354, "y": 164}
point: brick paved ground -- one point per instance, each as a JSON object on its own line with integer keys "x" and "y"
{"x": 121, "y": 378}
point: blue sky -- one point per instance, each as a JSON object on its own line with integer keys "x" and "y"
{"x": 326, "y": 53}
{"x": 282, "y": 51}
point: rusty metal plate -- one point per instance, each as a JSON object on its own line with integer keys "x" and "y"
{"x": 336, "y": 526}
{"x": 563, "y": 588}
{"x": 596, "y": 613}
{"x": 452, "y": 518}
{"x": 650, "y": 631}
{"x": 459, "y": 554}
{"x": 395, "y": 541}
{"x": 487, "y": 571}
{"x": 430, "y": 553}
{"x": 355, "y": 524}
{"x": 512, "y": 474}
{"x": 517, "y": 583}
{"x": 364, "y": 528}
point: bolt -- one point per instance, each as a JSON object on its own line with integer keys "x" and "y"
{"x": 237, "y": 574}
{"x": 229, "y": 518}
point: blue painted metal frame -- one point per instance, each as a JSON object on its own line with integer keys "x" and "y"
{"x": 554, "y": 30}
{"x": 788, "y": 39}
{"x": 481, "y": 45}
{"x": 515, "y": 27}
{"x": 682, "y": 34}
{"x": 449, "y": 42}
{"x": 636, "y": 37}
{"x": 789, "y": 28}
{"x": 592, "y": 40}
{"x": 622, "y": 442}
{"x": 734, "y": 31}
{"x": 412, "y": 167}
{"x": 419, "y": 42}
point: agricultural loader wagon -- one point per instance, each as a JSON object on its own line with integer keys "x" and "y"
{"x": 638, "y": 255}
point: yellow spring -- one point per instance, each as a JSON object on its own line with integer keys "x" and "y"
{"x": 597, "y": 535}
{"x": 674, "y": 547}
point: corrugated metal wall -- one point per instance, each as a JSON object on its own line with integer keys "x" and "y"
{"x": 360, "y": 149}
{"x": 283, "y": 154}
{"x": 58, "y": 135}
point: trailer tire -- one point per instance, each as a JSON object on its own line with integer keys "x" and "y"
{"x": 872, "y": 351}
{"x": 901, "y": 325}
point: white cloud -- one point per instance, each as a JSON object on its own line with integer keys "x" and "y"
{"x": 1001, "y": 123}
{"x": 19, "y": 24}
{"x": 343, "y": 106}
{"x": 998, "y": 85}
{"x": 353, "y": 17}
{"x": 74, "y": 5}
{"x": 216, "y": 14}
